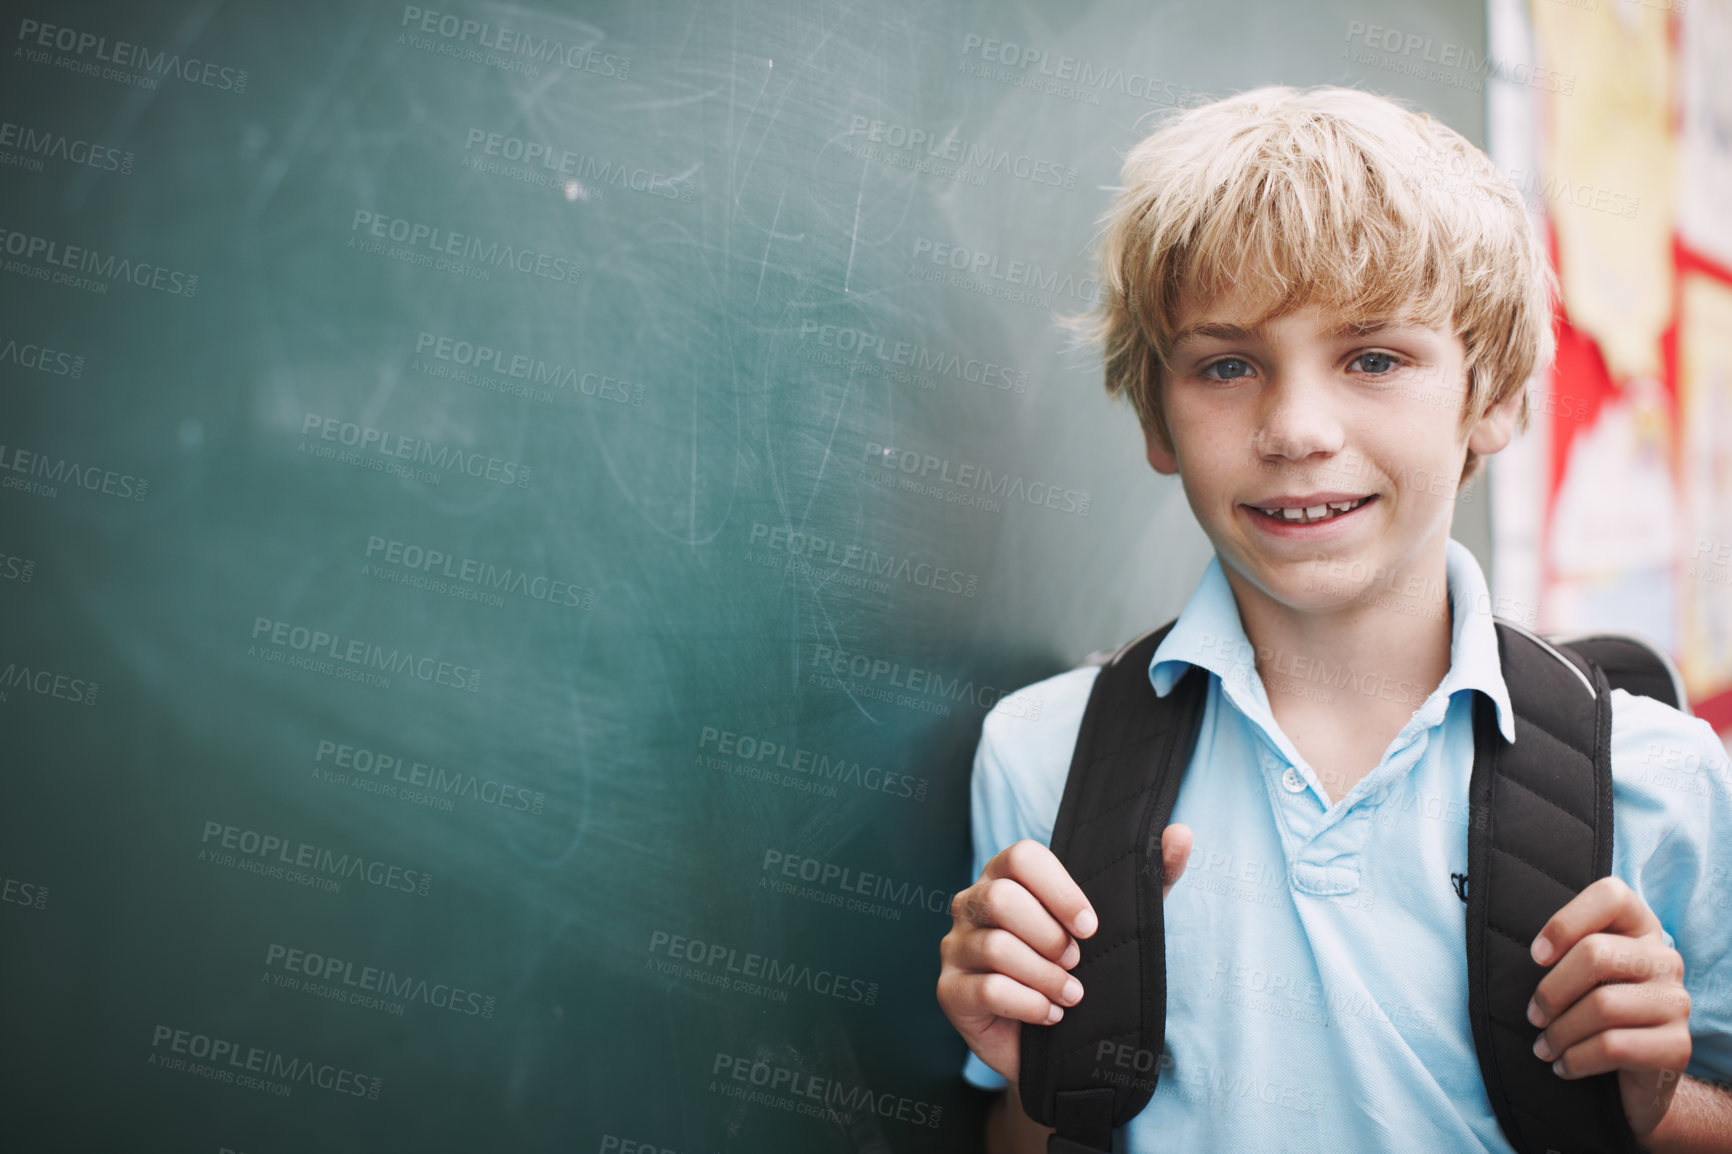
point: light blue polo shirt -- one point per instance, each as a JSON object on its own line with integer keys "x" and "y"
{"x": 1316, "y": 965}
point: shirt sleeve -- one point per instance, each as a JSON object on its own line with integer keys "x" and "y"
{"x": 1018, "y": 779}
{"x": 996, "y": 823}
{"x": 1672, "y": 796}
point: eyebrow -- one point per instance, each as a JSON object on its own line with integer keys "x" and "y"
{"x": 1220, "y": 331}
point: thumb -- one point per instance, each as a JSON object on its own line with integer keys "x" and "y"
{"x": 1175, "y": 852}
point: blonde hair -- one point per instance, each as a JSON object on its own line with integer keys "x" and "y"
{"x": 1326, "y": 196}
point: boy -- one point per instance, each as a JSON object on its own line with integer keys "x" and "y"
{"x": 1321, "y": 305}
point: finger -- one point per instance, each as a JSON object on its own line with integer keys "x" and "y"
{"x": 1620, "y": 1005}
{"x": 1043, "y": 875}
{"x": 1002, "y": 952}
{"x": 1665, "y": 1048}
{"x": 1609, "y": 904}
{"x": 983, "y": 995}
{"x": 1176, "y": 841}
{"x": 1601, "y": 958}
{"x": 1005, "y": 904}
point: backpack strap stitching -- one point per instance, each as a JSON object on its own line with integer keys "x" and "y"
{"x": 1080, "y": 878}
{"x": 1503, "y": 849}
{"x": 1108, "y": 811}
{"x": 1120, "y": 943}
{"x": 1526, "y": 788}
{"x": 1518, "y": 940}
{"x": 1534, "y": 791}
{"x": 1129, "y": 743}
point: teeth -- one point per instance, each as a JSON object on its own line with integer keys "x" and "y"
{"x": 1314, "y": 512}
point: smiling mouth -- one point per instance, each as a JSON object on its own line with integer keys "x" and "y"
{"x": 1315, "y": 515}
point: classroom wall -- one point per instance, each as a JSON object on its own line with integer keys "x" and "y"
{"x": 1615, "y": 512}
{"x": 511, "y": 519}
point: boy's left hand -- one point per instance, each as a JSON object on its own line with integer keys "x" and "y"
{"x": 1614, "y": 999}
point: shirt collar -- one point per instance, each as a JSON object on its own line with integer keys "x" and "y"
{"x": 1209, "y": 633}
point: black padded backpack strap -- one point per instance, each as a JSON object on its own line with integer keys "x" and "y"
{"x": 1096, "y": 1068}
{"x": 1540, "y": 831}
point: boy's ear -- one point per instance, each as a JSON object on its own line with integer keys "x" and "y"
{"x": 1493, "y": 431}
{"x": 1160, "y": 459}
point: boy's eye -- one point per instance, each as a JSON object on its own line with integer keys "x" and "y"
{"x": 1377, "y": 363}
{"x": 1232, "y": 367}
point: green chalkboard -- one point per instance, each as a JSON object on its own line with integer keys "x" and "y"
{"x": 510, "y": 520}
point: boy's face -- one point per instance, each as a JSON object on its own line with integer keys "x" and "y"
{"x": 1300, "y": 413}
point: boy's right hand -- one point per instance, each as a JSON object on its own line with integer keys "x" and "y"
{"x": 1010, "y": 946}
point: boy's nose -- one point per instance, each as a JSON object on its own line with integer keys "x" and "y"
{"x": 1296, "y": 421}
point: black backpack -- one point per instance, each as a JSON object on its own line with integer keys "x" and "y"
{"x": 1539, "y": 831}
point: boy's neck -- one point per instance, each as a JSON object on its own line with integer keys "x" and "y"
{"x": 1342, "y": 683}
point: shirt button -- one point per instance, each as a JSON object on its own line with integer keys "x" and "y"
{"x": 1292, "y": 780}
